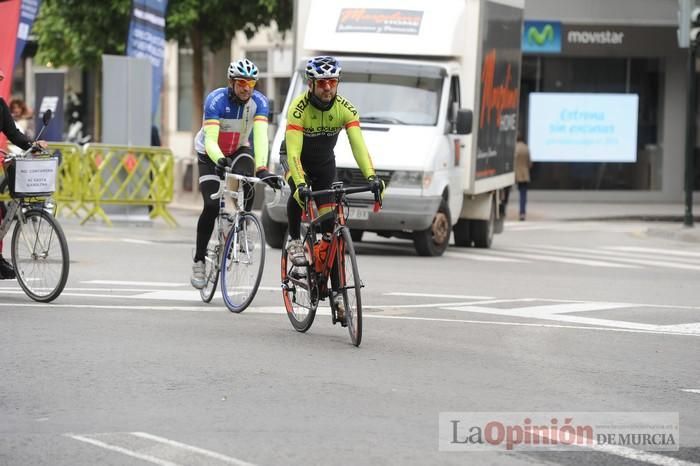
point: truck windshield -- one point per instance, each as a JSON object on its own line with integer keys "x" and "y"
{"x": 392, "y": 99}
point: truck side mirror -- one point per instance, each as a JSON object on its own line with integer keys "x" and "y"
{"x": 464, "y": 121}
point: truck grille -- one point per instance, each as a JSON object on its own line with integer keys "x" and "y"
{"x": 353, "y": 176}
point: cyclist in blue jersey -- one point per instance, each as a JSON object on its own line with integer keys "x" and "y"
{"x": 231, "y": 115}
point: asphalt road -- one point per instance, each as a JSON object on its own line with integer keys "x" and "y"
{"x": 128, "y": 366}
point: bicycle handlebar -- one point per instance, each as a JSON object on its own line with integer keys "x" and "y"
{"x": 249, "y": 179}
{"x": 34, "y": 149}
{"x": 349, "y": 190}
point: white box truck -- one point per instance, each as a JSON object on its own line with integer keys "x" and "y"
{"x": 436, "y": 84}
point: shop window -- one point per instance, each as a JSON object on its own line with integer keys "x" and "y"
{"x": 259, "y": 57}
{"x": 599, "y": 75}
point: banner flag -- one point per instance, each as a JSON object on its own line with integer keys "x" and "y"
{"x": 147, "y": 40}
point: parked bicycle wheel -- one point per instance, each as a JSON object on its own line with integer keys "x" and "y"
{"x": 350, "y": 286}
{"x": 211, "y": 273}
{"x": 243, "y": 262}
{"x": 299, "y": 291}
{"x": 40, "y": 256}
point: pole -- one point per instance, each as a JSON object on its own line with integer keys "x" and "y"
{"x": 690, "y": 138}
{"x": 295, "y": 39}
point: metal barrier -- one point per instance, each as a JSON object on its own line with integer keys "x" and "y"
{"x": 126, "y": 175}
{"x": 102, "y": 174}
{"x": 67, "y": 181}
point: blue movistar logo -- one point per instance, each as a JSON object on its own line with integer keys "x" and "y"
{"x": 541, "y": 37}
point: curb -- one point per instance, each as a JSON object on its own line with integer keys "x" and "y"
{"x": 679, "y": 233}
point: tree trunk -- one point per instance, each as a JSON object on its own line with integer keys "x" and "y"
{"x": 197, "y": 79}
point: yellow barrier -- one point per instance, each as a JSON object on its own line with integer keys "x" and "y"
{"x": 67, "y": 181}
{"x": 102, "y": 174}
{"x": 69, "y": 184}
{"x": 125, "y": 175}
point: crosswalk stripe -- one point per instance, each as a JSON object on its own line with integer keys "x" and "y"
{"x": 616, "y": 256}
{"x": 529, "y": 254}
{"x": 671, "y": 252}
{"x": 479, "y": 257}
{"x": 607, "y": 251}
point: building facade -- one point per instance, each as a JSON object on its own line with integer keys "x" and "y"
{"x": 622, "y": 55}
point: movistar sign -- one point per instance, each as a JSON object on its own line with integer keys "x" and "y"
{"x": 542, "y": 37}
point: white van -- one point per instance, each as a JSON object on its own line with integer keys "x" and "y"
{"x": 436, "y": 85}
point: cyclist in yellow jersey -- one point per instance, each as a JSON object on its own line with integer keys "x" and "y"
{"x": 314, "y": 120}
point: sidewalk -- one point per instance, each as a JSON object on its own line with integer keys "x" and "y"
{"x": 665, "y": 220}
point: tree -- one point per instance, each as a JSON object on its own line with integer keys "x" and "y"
{"x": 212, "y": 24}
{"x": 79, "y": 32}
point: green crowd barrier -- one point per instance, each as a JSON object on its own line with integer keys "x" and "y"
{"x": 103, "y": 174}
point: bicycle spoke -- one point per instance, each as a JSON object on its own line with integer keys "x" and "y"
{"x": 40, "y": 256}
{"x": 244, "y": 258}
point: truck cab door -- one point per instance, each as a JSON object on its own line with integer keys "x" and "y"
{"x": 458, "y": 155}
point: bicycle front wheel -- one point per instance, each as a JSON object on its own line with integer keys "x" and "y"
{"x": 40, "y": 256}
{"x": 299, "y": 292}
{"x": 211, "y": 273}
{"x": 243, "y": 262}
{"x": 350, "y": 286}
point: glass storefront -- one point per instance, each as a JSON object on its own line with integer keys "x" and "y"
{"x": 600, "y": 75}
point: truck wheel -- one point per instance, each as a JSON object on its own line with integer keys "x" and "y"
{"x": 356, "y": 235}
{"x": 274, "y": 231}
{"x": 434, "y": 240}
{"x": 482, "y": 230}
{"x": 462, "y": 234}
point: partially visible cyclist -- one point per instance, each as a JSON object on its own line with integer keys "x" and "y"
{"x": 9, "y": 129}
{"x": 314, "y": 120}
{"x": 231, "y": 114}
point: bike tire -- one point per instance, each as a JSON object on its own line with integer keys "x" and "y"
{"x": 350, "y": 285}
{"x": 211, "y": 272}
{"x": 243, "y": 260}
{"x": 299, "y": 292}
{"x": 33, "y": 242}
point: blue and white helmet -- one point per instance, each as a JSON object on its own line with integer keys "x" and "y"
{"x": 242, "y": 68}
{"x": 323, "y": 68}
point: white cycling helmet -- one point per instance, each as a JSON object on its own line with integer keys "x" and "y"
{"x": 242, "y": 68}
{"x": 323, "y": 67}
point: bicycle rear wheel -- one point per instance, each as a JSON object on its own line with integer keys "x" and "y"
{"x": 40, "y": 256}
{"x": 350, "y": 285}
{"x": 211, "y": 273}
{"x": 299, "y": 292}
{"x": 243, "y": 262}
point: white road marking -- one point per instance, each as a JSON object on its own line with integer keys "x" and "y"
{"x": 132, "y": 283}
{"x": 665, "y": 252}
{"x": 528, "y": 254}
{"x": 138, "y": 241}
{"x": 433, "y": 295}
{"x": 617, "y": 256}
{"x": 691, "y": 390}
{"x": 479, "y": 257}
{"x": 629, "y": 453}
{"x": 201, "y": 451}
{"x": 661, "y": 330}
{"x": 557, "y": 313}
{"x": 525, "y": 324}
{"x": 124, "y": 451}
{"x": 638, "y": 455}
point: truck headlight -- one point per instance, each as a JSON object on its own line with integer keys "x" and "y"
{"x": 411, "y": 179}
